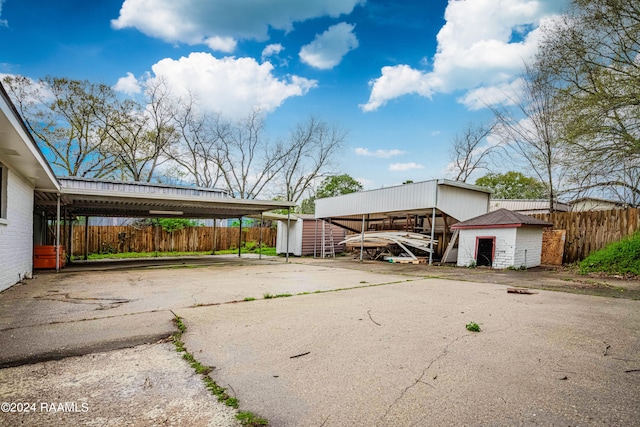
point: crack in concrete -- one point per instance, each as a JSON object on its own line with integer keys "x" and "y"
{"x": 109, "y": 304}
{"x": 424, "y": 372}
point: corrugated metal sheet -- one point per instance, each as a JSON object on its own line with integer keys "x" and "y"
{"x": 461, "y": 203}
{"x": 528, "y": 206}
{"x": 312, "y": 237}
{"x": 455, "y": 199}
{"x": 418, "y": 196}
{"x": 139, "y": 187}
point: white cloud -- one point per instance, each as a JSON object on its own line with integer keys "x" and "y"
{"x": 381, "y": 154}
{"x": 503, "y": 94}
{"x": 397, "y": 81}
{"x": 222, "y": 44}
{"x": 401, "y": 167}
{"x": 231, "y": 86}
{"x": 272, "y": 49}
{"x": 327, "y": 49}
{"x": 217, "y": 22}
{"x": 483, "y": 43}
{"x": 129, "y": 85}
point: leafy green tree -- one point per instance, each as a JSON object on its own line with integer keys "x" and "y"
{"x": 513, "y": 185}
{"x": 337, "y": 185}
{"x": 331, "y": 186}
{"x": 174, "y": 224}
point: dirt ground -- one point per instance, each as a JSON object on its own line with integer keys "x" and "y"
{"x": 563, "y": 279}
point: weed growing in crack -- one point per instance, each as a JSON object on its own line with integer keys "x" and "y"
{"x": 282, "y": 295}
{"x": 246, "y": 418}
{"x": 249, "y": 419}
{"x": 249, "y": 299}
{"x": 267, "y": 295}
{"x": 473, "y": 327}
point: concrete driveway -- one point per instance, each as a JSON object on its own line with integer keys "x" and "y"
{"x": 383, "y": 349}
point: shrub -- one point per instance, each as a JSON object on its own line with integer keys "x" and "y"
{"x": 621, "y": 257}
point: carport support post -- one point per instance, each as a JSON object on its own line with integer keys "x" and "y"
{"x": 58, "y": 235}
{"x": 362, "y": 239}
{"x": 288, "y": 229}
{"x": 260, "y": 243}
{"x": 86, "y": 237}
{"x": 433, "y": 230}
{"x": 240, "y": 239}
{"x": 215, "y": 238}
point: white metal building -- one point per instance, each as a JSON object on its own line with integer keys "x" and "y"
{"x": 306, "y": 235}
{"x": 500, "y": 239}
{"x": 428, "y": 207}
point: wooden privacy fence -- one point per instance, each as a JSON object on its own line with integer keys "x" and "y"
{"x": 117, "y": 239}
{"x": 592, "y": 230}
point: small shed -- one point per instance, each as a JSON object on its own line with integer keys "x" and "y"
{"x": 306, "y": 236}
{"x": 500, "y": 239}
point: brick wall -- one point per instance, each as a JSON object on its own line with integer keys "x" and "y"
{"x": 510, "y": 246}
{"x": 504, "y": 246}
{"x": 16, "y": 232}
{"x": 529, "y": 239}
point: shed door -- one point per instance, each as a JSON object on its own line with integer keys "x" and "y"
{"x": 484, "y": 255}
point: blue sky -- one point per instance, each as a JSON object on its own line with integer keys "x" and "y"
{"x": 402, "y": 76}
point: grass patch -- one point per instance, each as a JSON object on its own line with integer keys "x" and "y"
{"x": 621, "y": 257}
{"x": 473, "y": 327}
{"x": 267, "y": 251}
{"x": 249, "y": 299}
{"x": 246, "y": 418}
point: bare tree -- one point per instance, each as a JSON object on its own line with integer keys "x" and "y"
{"x": 197, "y": 151}
{"x": 140, "y": 134}
{"x": 65, "y": 116}
{"x": 470, "y": 151}
{"x": 311, "y": 148}
{"x": 247, "y": 159}
{"x": 533, "y": 128}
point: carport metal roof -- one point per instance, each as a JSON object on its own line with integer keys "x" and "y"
{"x": 93, "y": 197}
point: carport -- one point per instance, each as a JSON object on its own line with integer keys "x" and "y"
{"x": 428, "y": 207}
{"x": 107, "y": 198}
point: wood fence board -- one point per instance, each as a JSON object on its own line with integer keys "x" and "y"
{"x": 589, "y": 231}
{"x": 117, "y": 239}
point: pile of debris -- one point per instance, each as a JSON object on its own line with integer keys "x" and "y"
{"x": 392, "y": 246}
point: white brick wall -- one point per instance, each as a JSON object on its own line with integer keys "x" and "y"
{"x": 529, "y": 239}
{"x": 510, "y": 246}
{"x": 16, "y": 232}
